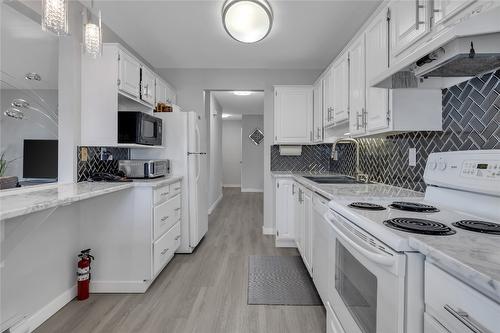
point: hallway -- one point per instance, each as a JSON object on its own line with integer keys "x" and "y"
{"x": 203, "y": 292}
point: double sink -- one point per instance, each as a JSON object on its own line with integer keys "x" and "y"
{"x": 340, "y": 179}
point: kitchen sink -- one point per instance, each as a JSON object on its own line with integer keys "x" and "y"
{"x": 335, "y": 180}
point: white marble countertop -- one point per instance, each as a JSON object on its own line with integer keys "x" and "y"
{"x": 22, "y": 201}
{"x": 471, "y": 257}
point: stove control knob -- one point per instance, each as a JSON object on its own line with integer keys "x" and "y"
{"x": 442, "y": 165}
{"x": 433, "y": 165}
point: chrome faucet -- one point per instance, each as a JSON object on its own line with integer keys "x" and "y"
{"x": 359, "y": 175}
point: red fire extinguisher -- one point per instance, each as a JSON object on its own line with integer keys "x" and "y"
{"x": 83, "y": 274}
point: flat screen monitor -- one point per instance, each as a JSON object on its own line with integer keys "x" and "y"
{"x": 40, "y": 159}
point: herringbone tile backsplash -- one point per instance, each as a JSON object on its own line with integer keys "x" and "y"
{"x": 94, "y": 163}
{"x": 471, "y": 120}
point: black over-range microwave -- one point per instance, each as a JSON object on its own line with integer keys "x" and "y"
{"x": 139, "y": 128}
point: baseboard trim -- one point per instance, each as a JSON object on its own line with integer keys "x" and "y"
{"x": 51, "y": 308}
{"x": 214, "y": 205}
{"x": 104, "y": 287}
{"x": 256, "y": 190}
{"x": 267, "y": 231}
{"x": 285, "y": 243}
{"x": 231, "y": 185}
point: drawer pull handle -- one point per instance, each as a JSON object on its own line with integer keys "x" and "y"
{"x": 177, "y": 189}
{"x": 178, "y": 209}
{"x": 164, "y": 193}
{"x": 176, "y": 238}
{"x": 164, "y": 251}
{"x": 164, "y": 218}
{"x": 465, "y": 319}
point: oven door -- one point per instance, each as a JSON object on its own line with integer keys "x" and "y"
{"x": 367, "y": 280}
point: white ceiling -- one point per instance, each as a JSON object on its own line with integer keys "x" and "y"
{"x": 189, "y": 34}
{"x": 239, "y": 105}
{"x": 26, "y": 48}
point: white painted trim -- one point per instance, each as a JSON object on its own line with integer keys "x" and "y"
{"x": 51, "y": 308}
{"x": 231, "y": 185}
{"x": 214, "y": 205}
{"x": 103, "y": 287}
{"x": 267, "y": 231}
{"x": 285, "y": 243}
{"x": 256, "y": 190}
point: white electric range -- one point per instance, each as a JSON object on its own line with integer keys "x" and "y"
{"x": 378, "y": 284}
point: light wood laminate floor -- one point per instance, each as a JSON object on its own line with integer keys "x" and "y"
{"x": 202, "y": 292}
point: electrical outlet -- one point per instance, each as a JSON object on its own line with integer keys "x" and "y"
{"x": 84, "y": 154}
{"x": 412, "y": 157}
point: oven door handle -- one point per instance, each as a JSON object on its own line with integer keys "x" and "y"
{"x": 386, "y": 260}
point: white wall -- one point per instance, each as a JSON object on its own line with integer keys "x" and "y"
{"x": 190, "y": 84}
{"x": 252, "y": 174}
{"x": 214, "y": 153}
{"x": 231, "y": 152}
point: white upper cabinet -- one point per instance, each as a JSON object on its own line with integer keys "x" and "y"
{"x": 318, "y": 111}
{"x": 147, "y": 86}
{"x": 377, "y": 60}
{"x": 160, "y": 91}
{"x": 357, "y": 87}
{"x": 129, "y": 74}
{"x": 328, "y": 92}
{"x": 341, "y": 88}
{"x": 410, "y": 21}
{"x": 446, "y": 9}
{"x": 293, "y": 114}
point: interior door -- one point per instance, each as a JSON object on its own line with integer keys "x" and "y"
{"x": 377, "y": 60}
{"x": 129, "y": 75}
{"x": 341, "y": 89}
{"x": 410, "y": 20}
{"x": 357, "y": 87}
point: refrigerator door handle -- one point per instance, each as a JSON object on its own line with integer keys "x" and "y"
{"x": 196, "y": 153}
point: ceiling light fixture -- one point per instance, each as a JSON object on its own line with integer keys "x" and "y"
{"x": 55, "y": 16}
{"x": 247, "y": 21}
{"x": 92, "y": 33}
{"x": 242, "y": 93}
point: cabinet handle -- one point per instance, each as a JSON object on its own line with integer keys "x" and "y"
{"x": 176, "y": 238}
{"x": 311, "y": 136}
{"x": 164, "y": 251}
{"x": 163, "y": 193}
{"x": 177, "y": 189}
{"x": 319, "y": 132}
{"x": 465, "y": 319}
{"x": 364, "y": 119}
{"x": 418, "y": 6}
{"x": 178, "y": 209}
{"x": 164, "y": 218}
{"x": 293, "y": 189}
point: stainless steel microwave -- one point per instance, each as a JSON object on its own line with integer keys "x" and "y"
{"x": 139, "y": 128}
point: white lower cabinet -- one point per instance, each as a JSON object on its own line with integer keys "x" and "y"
{"x": 321, "y": 235}
{"x": 164, "y": 248}
{"x": 166, "y": 215}
{"x": 303, "y": 223}
{"x": 284, "y": 199}
{"x": 332, "y": 322}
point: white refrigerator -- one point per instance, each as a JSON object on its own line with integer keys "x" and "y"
{"x": 182, "y": 142}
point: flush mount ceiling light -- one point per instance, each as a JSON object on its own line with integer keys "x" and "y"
{"x": 247, "y": 21}
{"x": 242, "y": 93}
{"x": 55, "y": 16}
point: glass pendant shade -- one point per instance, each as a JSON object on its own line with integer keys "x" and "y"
{"x": 55, "y": 16}
{"x": 247, "y": 21}
{"x": 92, "y": 36}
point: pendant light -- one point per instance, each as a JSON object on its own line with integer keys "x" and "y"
{"x": 247, "y": 21}
{"x": 92, "y": 33}
{"x": 55, "y": 16}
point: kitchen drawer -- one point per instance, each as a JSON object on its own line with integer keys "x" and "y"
{"x": 332, "y": 322}
{"x": 457, "y": 306}
{"x": 161, "y": 194}
{"x": 166, "y": 215}
{"x": 432, "y": 326}
{"x": 165, "y": 247}
{"x": 175, "y": 188}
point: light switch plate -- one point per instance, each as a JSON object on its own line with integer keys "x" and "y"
{"x": 412, "y": 157}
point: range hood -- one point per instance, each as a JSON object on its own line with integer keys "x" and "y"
{"x": 464, "y": 56}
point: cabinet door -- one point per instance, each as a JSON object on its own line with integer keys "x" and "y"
{"x": 318, "y": 111}
{"x": 160, "y": 92}
{"x": 322, "y": 234}
{"x": 446, "y": 9}
{"x": 328, "y": 95}
{"x": 410, "y": 22}
{"x": 299, "y": 218}
{"x": 147, "y": 86}
{"x": 377, "y": 60}
{"x": 357, "y": 87}
{"x": 341, "y": 89}
{"x": 129, "y": 75}
{"x": 307, "y": 216}
{"x": 284, "y": 209}
{"x": 293, "y": 111}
